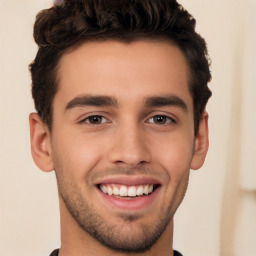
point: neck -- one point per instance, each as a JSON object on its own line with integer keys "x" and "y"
{"x": 77, "y": 242}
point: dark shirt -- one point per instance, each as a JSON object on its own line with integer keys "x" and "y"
{"x": 56, "y": 253}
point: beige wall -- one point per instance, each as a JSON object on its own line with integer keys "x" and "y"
{"x": 218, "y": 215}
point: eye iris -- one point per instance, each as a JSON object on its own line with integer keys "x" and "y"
{"x": 95, "y": 119}
{"x": 160, "y": 119}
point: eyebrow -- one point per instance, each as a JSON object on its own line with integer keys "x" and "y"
{"x": 107, "y": 101}
{"x": 161, "y": 101}
{"x": 89, "y": 100}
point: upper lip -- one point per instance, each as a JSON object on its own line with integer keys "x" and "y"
{"x": 129, "y": 180}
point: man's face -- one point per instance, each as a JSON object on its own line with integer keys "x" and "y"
{"x": 122, "y": 140}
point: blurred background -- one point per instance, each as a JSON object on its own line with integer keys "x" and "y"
{"x": 218, "y": 214}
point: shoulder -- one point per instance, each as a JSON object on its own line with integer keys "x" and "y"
{"x": 56, "y": 253}
{"x": 176, "y": 253}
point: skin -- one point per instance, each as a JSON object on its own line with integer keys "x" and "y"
{"x": 133, "y": 139}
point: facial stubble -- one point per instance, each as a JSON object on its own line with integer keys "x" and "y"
{"x": 118, "y": 237}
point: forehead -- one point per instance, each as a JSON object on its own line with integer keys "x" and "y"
{"x": 127, "y": 71}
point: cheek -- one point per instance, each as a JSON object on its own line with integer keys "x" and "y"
{"x": 76, "y": 154}
{"x": 175, "y": 155}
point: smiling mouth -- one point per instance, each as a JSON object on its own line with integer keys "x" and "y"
{"x": 128, "y": 192}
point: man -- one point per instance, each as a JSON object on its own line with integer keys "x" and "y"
{"x": 120, "y": 88}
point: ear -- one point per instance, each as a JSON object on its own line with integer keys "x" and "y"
{"x": 201, "y": 143}
{"x": 40, "y": 143}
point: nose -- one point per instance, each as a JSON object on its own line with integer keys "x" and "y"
{"x": 129, "y": 147}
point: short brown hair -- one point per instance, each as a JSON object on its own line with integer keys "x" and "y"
{"x": 69, "y": 23}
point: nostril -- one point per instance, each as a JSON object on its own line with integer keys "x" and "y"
{"x": 142, "y": 162}
{"x": 119, "y": 162}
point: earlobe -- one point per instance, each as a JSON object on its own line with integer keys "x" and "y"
{"x": 201, "y": 143}
{"x": 40, "y": 143}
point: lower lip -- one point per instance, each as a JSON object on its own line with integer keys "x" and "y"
{"x": 136, "y": 203}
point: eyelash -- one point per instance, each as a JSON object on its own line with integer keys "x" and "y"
{"x": 87, "y": 119}
{"x": 168, "y": 120}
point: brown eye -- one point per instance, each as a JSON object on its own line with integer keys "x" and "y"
{"x": 95, "y": 120}
{"x": 160, "y": 119}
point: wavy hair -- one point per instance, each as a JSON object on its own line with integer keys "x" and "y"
{"x": 70, "y": 23}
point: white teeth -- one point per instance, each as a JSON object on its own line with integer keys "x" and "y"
{"x": 124, "y": 191}
{"x": 132, "y": 191}
{"x": 146, "y": 190}
{"x": 115, "y": 191}
{"x": 140, "y": 190}
{"x": 103, "y": 189}
{"x": 150, "y": 188}
{"x": 110, "y": 192}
